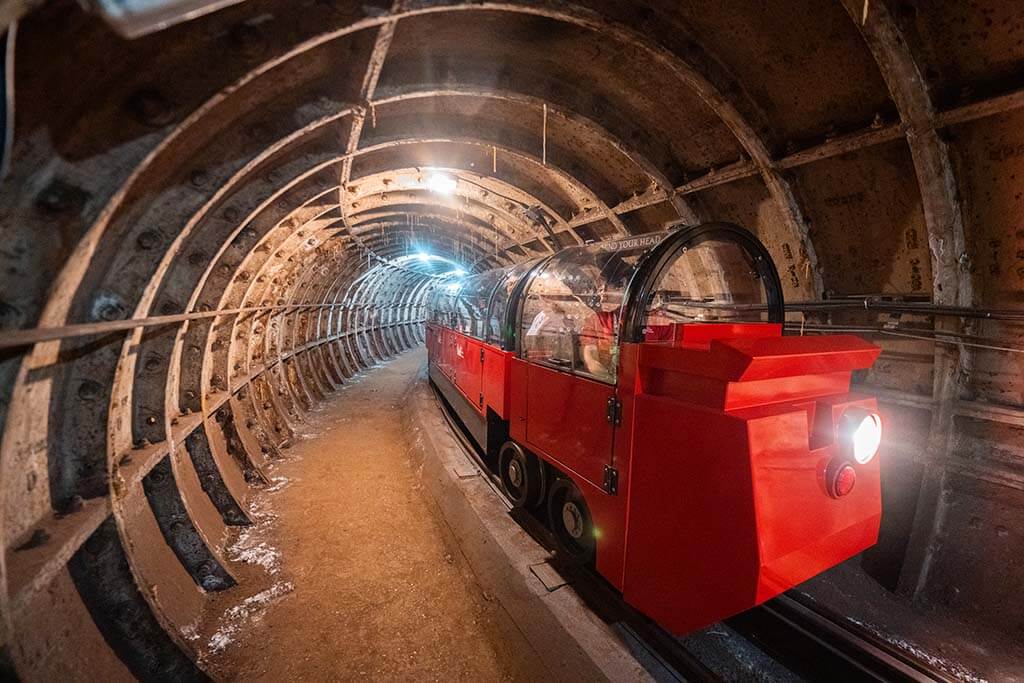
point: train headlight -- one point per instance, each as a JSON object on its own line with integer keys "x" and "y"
{"x": 861, "y": 433}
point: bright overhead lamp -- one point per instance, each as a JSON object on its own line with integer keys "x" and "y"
{"x": 441, "y": 183}
{"x": 423, "y": 256}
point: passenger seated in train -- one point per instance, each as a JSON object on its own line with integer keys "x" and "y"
{"x": 569, "y": 326}
{"x": 596, "y": 341}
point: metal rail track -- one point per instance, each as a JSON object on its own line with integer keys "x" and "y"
{"x": 808, "y": 639}
{"x": 822, "y": 645}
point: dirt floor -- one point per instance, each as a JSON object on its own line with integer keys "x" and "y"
{"x": 360, "y": 575}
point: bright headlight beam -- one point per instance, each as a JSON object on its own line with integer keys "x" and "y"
{"x": 866, "y": 438}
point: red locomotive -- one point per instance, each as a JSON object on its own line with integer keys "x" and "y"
{"x": 643, "y": 391}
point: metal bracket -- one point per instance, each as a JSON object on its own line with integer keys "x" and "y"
{"x": 611, "y": 480}
{"x": 613, "y": 413}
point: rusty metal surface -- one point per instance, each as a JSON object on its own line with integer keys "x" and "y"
{"x": 200, "y": 243}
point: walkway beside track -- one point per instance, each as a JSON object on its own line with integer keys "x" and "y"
{"x": 364, "y": 578}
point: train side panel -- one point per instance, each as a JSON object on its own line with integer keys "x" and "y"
{"x": 518, "y": 373}
{"x": 473, "y": 376}
{"x": 562, "y": 419}
{"x": 468, "y": 368}
{"x": 496, "y": 384}
{"x": 566, "y": 420}
{"x": 691, "y": 544}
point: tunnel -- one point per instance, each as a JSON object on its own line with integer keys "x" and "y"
{"x": 218, "y": 217}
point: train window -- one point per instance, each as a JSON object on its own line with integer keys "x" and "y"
{"x": 435, "y": 306}
{"x": 498, "y": 305}
{"x": 715, "y": 280}
{"x": 445, "y": 306}
{"x": 475, "y": 294}
{"x": 571, "y": 312}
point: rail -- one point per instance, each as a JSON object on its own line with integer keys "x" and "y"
{"x": 35, "y": 335}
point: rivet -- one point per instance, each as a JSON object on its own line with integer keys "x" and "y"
{"x": 149, "y": 107}
{"x": 109, "y": 308}
{"x": 88, "y": 390}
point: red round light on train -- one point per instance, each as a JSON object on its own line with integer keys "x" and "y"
{"x": 843, "y": 479}
{"x": 861, "y": 434}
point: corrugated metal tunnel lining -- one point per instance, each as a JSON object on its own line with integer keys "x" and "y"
{"x": 268, "y": 168}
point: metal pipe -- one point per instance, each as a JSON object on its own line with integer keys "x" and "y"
{"x": 34, "y": 335}
{"x": 869, "y": 304}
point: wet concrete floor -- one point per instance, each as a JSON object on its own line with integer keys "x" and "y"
{"x": 362, "y": 576}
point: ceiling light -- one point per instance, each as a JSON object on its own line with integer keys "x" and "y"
{"x": 441, "y": 183}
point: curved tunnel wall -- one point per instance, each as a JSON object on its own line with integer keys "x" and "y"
{"x": 276, "y": 159}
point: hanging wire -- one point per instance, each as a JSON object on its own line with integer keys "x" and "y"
{"x": 7, "y": 97}
{"x": 544, "y": 138}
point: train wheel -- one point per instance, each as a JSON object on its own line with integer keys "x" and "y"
{"x": 570, "y": 521}
{"x": 520, "y": 475}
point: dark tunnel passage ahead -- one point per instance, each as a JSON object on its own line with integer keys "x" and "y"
{"x": 243, "y": 211}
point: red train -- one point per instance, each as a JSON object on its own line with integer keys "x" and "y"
{"x": 643, "y": 393}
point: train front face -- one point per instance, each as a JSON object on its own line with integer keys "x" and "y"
{"x": 814, "y": 472}
{"x": 752, "y": 465}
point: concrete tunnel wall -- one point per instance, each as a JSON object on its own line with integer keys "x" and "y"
{"x": 273, "y": 156}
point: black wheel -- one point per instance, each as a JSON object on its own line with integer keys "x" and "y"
{"x": 520, "y": 474}
{"x": 570, "y": 521}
